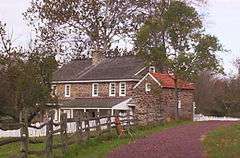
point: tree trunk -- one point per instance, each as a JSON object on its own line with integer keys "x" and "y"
{"x": 63, "y": 133}
{"x": 24, "y": 132}
{"x": 49, "y": 137}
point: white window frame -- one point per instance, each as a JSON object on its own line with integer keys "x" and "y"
{"x": 93, "y": 86}
{"x": 110, "y": 89}
{"x": 152, "y": 69}
{"x": 65, "y": 90}
{"x": 179, "y": 104}
{"x": 54, "y": 89}
{"x": 55, "y": 114}
{"x": 120, "y": 89}
{"x": 148, "y": 87}
{"x": 68, "y": 112}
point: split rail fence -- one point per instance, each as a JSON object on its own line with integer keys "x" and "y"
{"x": 82, "y": 128}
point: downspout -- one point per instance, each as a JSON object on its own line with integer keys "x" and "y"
{"x": 177, "y": 97}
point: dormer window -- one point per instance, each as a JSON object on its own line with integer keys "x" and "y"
{"x": 95, "y": 89}
{"x": 148, "y": 87}
{"x": 112, "y": 89}
{"x": 67, "y": 90}
{"x": 152, "y": 69}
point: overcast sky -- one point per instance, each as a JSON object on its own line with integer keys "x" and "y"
{"x": 223, "y": 20}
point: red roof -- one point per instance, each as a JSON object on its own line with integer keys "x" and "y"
{"x": 167, "y": 81}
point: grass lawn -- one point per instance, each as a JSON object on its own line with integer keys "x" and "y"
{"x": 95, "y": 147}
{"x": 223, "y": 143}
{"x": 13, "y": 150}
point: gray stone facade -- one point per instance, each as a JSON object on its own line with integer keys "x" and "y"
{"x": 160, "y": 103}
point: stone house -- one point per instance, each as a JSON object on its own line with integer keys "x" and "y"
{"x": 117, "y": 84}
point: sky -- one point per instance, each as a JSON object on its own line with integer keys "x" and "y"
{"x": 222, "y": 20}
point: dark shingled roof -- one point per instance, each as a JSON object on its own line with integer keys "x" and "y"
{"x": 109, "y": 69}
{"x": 92, "y": 102}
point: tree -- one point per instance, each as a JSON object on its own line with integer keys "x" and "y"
{"x": 80, "y": 27}
{"x": 84, "y": 26}
{"x": 176, "y": 41}
{"x": 25, "y": 79}
{"x": 236, "y": 63}
{"x": 210, "y": 93}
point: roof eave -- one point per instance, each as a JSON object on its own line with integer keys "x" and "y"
{"x": 94, "y": 81}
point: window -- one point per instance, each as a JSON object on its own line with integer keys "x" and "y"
{"x": 152, "y": 69}
{"x": 93, "y": 114}
{"x": 122, "y": 89}
{"x": 112, "y": 89}
{"x": 54, "y": 89}
{"x": 55, "y": 115}
{"x": 148, "y": 87}
{"x": 68, "y": 112}
{"x": 95, "y": 89}
{"x": 67, "y": 90}
{"x": 179, "y": 104}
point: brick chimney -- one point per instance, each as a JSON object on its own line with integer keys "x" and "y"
{"x": 97, "y": 57}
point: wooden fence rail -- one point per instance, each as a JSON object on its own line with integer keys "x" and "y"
{"x": 85, "y": 127}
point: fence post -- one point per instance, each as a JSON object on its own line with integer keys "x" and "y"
{"x": 49, "y": 136}
{"x": 63, "y": 132}
{"x": 98, "y": 123}
{"x": 118, "y": 125}
{"x": 109, "y": 121}
{"x": 128, "y": 119}
{"x": 24, "y": 132}
{"x": 193, "y": 111}
{"x": 78, "y": 127}
{"x": 87, "y": 125}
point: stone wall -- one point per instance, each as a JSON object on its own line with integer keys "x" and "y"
{"x": 169, "y": 104}
{"x": 187, "y": 99}
{"x": 160, "y": 103}
{"x": 84, "y": 90}
{"x": 148, "y": 104}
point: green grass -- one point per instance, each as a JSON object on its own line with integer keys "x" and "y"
{"x": 14, "y": 149}
{"x": 223, "y": 143}
{"x": 97, "y": 147}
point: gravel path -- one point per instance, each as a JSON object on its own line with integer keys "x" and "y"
{"x": 180, "y": 142}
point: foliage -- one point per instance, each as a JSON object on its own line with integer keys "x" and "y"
{"x": 75, "y": 28}
{"x": 25, "y": 77}
{"x": 223, "y": 143}
{"x": 82, "y": 26}
{"x": 217, "y": 96}
{"x": 176, "y": 40}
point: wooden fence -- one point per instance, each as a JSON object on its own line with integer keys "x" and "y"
{"x": 83, "y": 131}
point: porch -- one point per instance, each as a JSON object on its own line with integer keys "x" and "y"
{"x": 94, "y": 106}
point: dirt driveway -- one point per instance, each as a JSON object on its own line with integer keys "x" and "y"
{"x": 180, "y": 142}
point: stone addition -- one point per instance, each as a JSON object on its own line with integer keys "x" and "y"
{"x": 168, "y": 103}
{"x": 160, "y": 102}
{"x": 148, "y": 107}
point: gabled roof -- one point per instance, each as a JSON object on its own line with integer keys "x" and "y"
{"x": 110, "y": 69}
{"x": 167, "y": 81}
